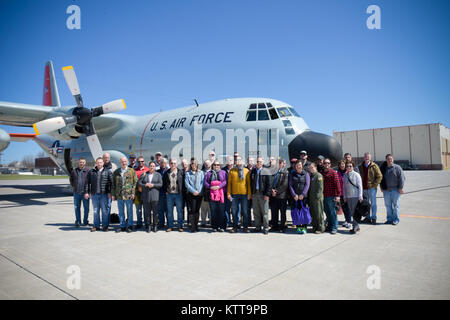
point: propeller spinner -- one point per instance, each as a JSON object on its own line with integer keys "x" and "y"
{"x": 81, "y": 116}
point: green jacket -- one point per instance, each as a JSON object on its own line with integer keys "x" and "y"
{"x": 122, "y": 189}
{"x": 374, "y": 175}
{"x": 315, "y": 191}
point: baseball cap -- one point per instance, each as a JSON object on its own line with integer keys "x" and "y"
{"x": 303, "y": 151}
{"x": 293, "y": 160}
{"x": 158, "y": 153}
{"x": 321, "y": 157}
{"x": 132, "y": 156}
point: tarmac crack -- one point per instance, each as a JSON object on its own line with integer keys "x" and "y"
{"x": 292, "y": 267}
{"x": 37, "y": 276}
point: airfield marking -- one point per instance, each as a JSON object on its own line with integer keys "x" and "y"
{"x": 423, "y": 217}
{"x": 37, "y": 276}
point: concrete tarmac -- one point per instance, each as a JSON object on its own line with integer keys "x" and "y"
{"x": 44, "y": 256}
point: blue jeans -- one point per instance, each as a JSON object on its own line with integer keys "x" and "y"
{"x": 108, "y": 205}
{"x": 77, "y": 199}
{"x": 138, "y": 213}
{"x": 227, "y": 210}
{"x": 240, "y": 203}
{"x": 371, "y": 195}
{"x": 177, "y": 199}
{"x": 330, "y": 211}
{"x": 392, "y": 202}
{"x": 162, "y": 213}
{"x": 121, "y": 204}
{"x": 100, "y": 201}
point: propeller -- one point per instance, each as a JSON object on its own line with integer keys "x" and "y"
{"x": 81, "y": 116}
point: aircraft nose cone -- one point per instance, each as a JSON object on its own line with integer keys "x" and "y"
{"x": 315, "y": 144}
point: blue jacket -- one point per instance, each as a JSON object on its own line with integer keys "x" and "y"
{"x": 194, "y": 182}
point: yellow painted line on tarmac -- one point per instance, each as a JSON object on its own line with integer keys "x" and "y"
{"x": 423, "y": 217}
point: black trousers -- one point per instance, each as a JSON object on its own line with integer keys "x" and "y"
{"x": 278, "y": 206}
{"x": 151, "y": 211}
{"x": 194, "y": 203}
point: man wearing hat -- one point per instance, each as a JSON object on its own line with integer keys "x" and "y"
{"x": 158, "y": 158}
{"x": 132, "y": 164}
{"x": 304, "y": 159}
{"x": 319, "y": 163}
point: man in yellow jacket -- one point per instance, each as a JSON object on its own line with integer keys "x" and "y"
{"x": 239, "y": 192}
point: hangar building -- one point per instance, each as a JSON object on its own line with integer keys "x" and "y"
{"x": 425, "y": 146}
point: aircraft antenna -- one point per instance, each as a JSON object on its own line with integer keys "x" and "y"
{"x": 196, "y": 102}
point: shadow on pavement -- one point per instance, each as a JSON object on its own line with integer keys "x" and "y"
{"x": 32, "y": 199}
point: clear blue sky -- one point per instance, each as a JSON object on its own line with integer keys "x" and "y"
{"x": 318, "y": 56}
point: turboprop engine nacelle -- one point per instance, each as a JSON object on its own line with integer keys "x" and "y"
{"x": 4, "y": 140}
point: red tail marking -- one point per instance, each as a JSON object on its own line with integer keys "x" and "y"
{"x": 47, "y": 100}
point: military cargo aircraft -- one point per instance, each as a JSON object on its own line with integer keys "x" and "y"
{"x": 250, "y": 126}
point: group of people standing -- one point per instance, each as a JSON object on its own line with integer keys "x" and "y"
{"x": 227, "y": 194}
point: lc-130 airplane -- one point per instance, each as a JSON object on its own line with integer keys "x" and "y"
{"x": 250, "y": 126}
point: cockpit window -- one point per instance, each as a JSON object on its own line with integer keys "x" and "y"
{"x": 261, "y": 105}
{"x": 258, "y": 111}
{"x": 273, "y": 114}
{"x": 294, "y": 112}
{"x": 287, "y": 123}
{"x": 289, "y": 130}
{"x": 263, "y": 115}
{"x": 284, "y": 112}
{"x": 251, "y": 115}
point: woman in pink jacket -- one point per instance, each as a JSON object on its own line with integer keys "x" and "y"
{"x": 216, "y": 181}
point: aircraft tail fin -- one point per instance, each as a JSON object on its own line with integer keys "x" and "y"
{"x": 51, "y": 96}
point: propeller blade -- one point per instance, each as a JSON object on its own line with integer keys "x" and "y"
{"x": 72, "y": 83}
{"x": 114, "y": 106}
{"x": 94, "y": 146}
{"x": 52, "y": 124}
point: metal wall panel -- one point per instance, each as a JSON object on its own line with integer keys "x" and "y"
{"x": 365, "y": 142}
{"x": 401, "y": 143}
{"x": 383, "y": 144}
{"x": 420, "y": 145}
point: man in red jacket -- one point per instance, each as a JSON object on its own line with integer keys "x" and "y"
{"x": 331, "y": 195}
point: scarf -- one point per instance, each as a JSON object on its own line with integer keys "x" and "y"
{"x": 241, "y": 172}
{"x": 215, "y": 175}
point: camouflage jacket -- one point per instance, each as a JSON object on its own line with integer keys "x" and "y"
{"x": 122, "y": 189}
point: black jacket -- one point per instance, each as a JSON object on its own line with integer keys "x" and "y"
{"x": 74, "y": 179}
{"x": 265, "y": 182}
{"x": 105, "y": 181}
{"x": 281, "y": 185}
{"x": 180, "y": 181}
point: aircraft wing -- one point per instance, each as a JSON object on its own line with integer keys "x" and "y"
{"x": 24, "y": 115}
{"x": 109, "y": 123}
